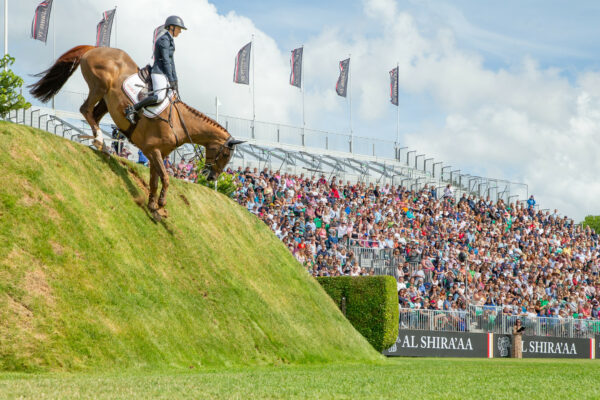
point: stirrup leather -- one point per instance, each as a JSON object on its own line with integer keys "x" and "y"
{"x": 131, "y": 114}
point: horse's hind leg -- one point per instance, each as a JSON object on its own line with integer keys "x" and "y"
{"x": 100, "y": 111}
{"x": 88, "y": 109}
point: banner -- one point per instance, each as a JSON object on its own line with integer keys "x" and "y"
{"x": 241, "y": 74}
{"x": 41, "y": 21}
{"x": 104, "y": 29}
{"x": 413, "y": 343}
{"x": 342, "y": 83}
{"x": 544, "y": 347}
{"x": 296, "y": 64}
{"x": 394, "y": 86}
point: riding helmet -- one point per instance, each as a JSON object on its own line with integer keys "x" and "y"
{"x": 174, "y": 20}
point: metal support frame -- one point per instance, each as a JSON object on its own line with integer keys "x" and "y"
{"x": 408, "y": 156}
{"x": 425, "y": 163}
{"x": 433, "y": 169}
{"x": 447, "y": 167}
{"x": 399, "y": 152}
{"x": 417, "y": 160}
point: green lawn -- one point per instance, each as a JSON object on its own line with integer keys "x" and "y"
{"x": 394, "y": 379}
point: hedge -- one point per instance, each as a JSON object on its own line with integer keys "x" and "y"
{"x": 371, "y": 305}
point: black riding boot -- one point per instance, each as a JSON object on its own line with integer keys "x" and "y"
{"x": 131, "y": 111}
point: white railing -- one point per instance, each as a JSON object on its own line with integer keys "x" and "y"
{"x": 484, "y": 319}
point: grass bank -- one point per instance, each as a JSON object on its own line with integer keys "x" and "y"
{"x": 88, "y": 281}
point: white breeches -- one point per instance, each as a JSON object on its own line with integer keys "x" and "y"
{"x": 160, "y": 86}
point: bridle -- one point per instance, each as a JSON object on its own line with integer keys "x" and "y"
{"x": 209, "y": 165}
{"x": 230, "y": 142}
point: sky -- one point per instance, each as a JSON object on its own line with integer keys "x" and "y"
{"x": 508, "y": 90}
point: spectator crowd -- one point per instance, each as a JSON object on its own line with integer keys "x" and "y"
{"x": 446, "y": 251}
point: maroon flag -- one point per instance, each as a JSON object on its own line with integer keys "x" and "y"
{"x": 296, "y": 64}
{"x": 41, "y": 21}
{"x": 394, "y": 86}
{"x": 241, "y": 73}
{"x": 158, "y": 32}
{"x": 104, "y": 29}
{"x": 341, "y": 86}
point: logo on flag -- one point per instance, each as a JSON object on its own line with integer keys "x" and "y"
{"x": 394, "y": 86}
{"x": 241, "y": 74}
{"x": 341, "y": 87}
{"x": 296, "y": 64}
{"x": 104, "y": 29}
{"x": 41, "y": 21}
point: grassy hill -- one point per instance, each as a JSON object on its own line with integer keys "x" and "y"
{"x": 88, "y": 281}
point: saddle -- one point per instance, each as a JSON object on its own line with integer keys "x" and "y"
{"x": 136, "y": 88}
{"x": 145, "y": 75}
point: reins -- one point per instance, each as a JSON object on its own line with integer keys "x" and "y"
{"x": 199, "y": 153}
{"x": 169, "y": 121}
{"x": 185, "y": 129}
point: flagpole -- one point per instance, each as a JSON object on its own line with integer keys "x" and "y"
{"x": 302, "y": 90}
{"x": 5, "y": 31}
{"x": 350, "y": 78}
{"x": 217, "y": 107}
{"x": 116, "y": 30}
{"x": 252, "y": 50}
{"x": 53, "y": 16}
{"x": 397, "y": 89}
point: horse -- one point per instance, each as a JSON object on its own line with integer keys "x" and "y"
{"x": 104, "y": 70}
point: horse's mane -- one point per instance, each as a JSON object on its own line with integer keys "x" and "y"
{"x": 204, "y": 117}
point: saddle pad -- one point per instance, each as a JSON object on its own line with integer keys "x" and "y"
{"x": 133, "y": 87}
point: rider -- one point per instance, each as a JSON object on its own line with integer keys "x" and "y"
{"x": 163, "y": 70}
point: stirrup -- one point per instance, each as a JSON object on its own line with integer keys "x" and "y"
{"x": 130, "y": 114}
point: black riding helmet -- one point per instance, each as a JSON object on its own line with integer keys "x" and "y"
{"x": 174, "y": 20}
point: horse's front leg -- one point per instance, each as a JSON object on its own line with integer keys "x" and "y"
{"x": 164, "y": 177}
{"x": 152, "y": 206}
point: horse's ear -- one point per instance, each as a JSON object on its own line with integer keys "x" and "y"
{"x": 233, "y": 142}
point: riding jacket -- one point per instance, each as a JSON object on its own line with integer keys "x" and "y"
{"x": 163, "y": 57}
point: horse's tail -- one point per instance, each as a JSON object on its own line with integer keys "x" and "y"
{"x": 57, "y": 75}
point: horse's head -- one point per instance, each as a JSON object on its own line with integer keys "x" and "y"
{"x": 217, "y": 157}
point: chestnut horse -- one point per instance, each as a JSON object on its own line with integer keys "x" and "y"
{"x": 104, "y": 70}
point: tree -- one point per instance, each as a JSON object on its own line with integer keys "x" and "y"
{"x": 593, "y": 222}
{"x": 225, "y": 184}
{"x": 10, "y": 88}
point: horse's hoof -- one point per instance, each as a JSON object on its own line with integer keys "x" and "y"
{"x": 156, "y": 215}
{"x": 98, "y": 144}
{"x": 164, "y": 213}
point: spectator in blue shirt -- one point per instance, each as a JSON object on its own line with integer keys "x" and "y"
{"x": 142, "y": 159}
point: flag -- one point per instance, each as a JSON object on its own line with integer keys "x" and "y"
{"x": 296, "y": 64}
{"x": 105, "y": 28}
{"x": 41, "y": 21}
{"x": 342, "y": 83}
{"x": 241, "y": 74}
{"x": 158, "y": 32}
{"x": 394, "y": 86}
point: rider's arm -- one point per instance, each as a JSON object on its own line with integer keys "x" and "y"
{"x": 165, "y": 58}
